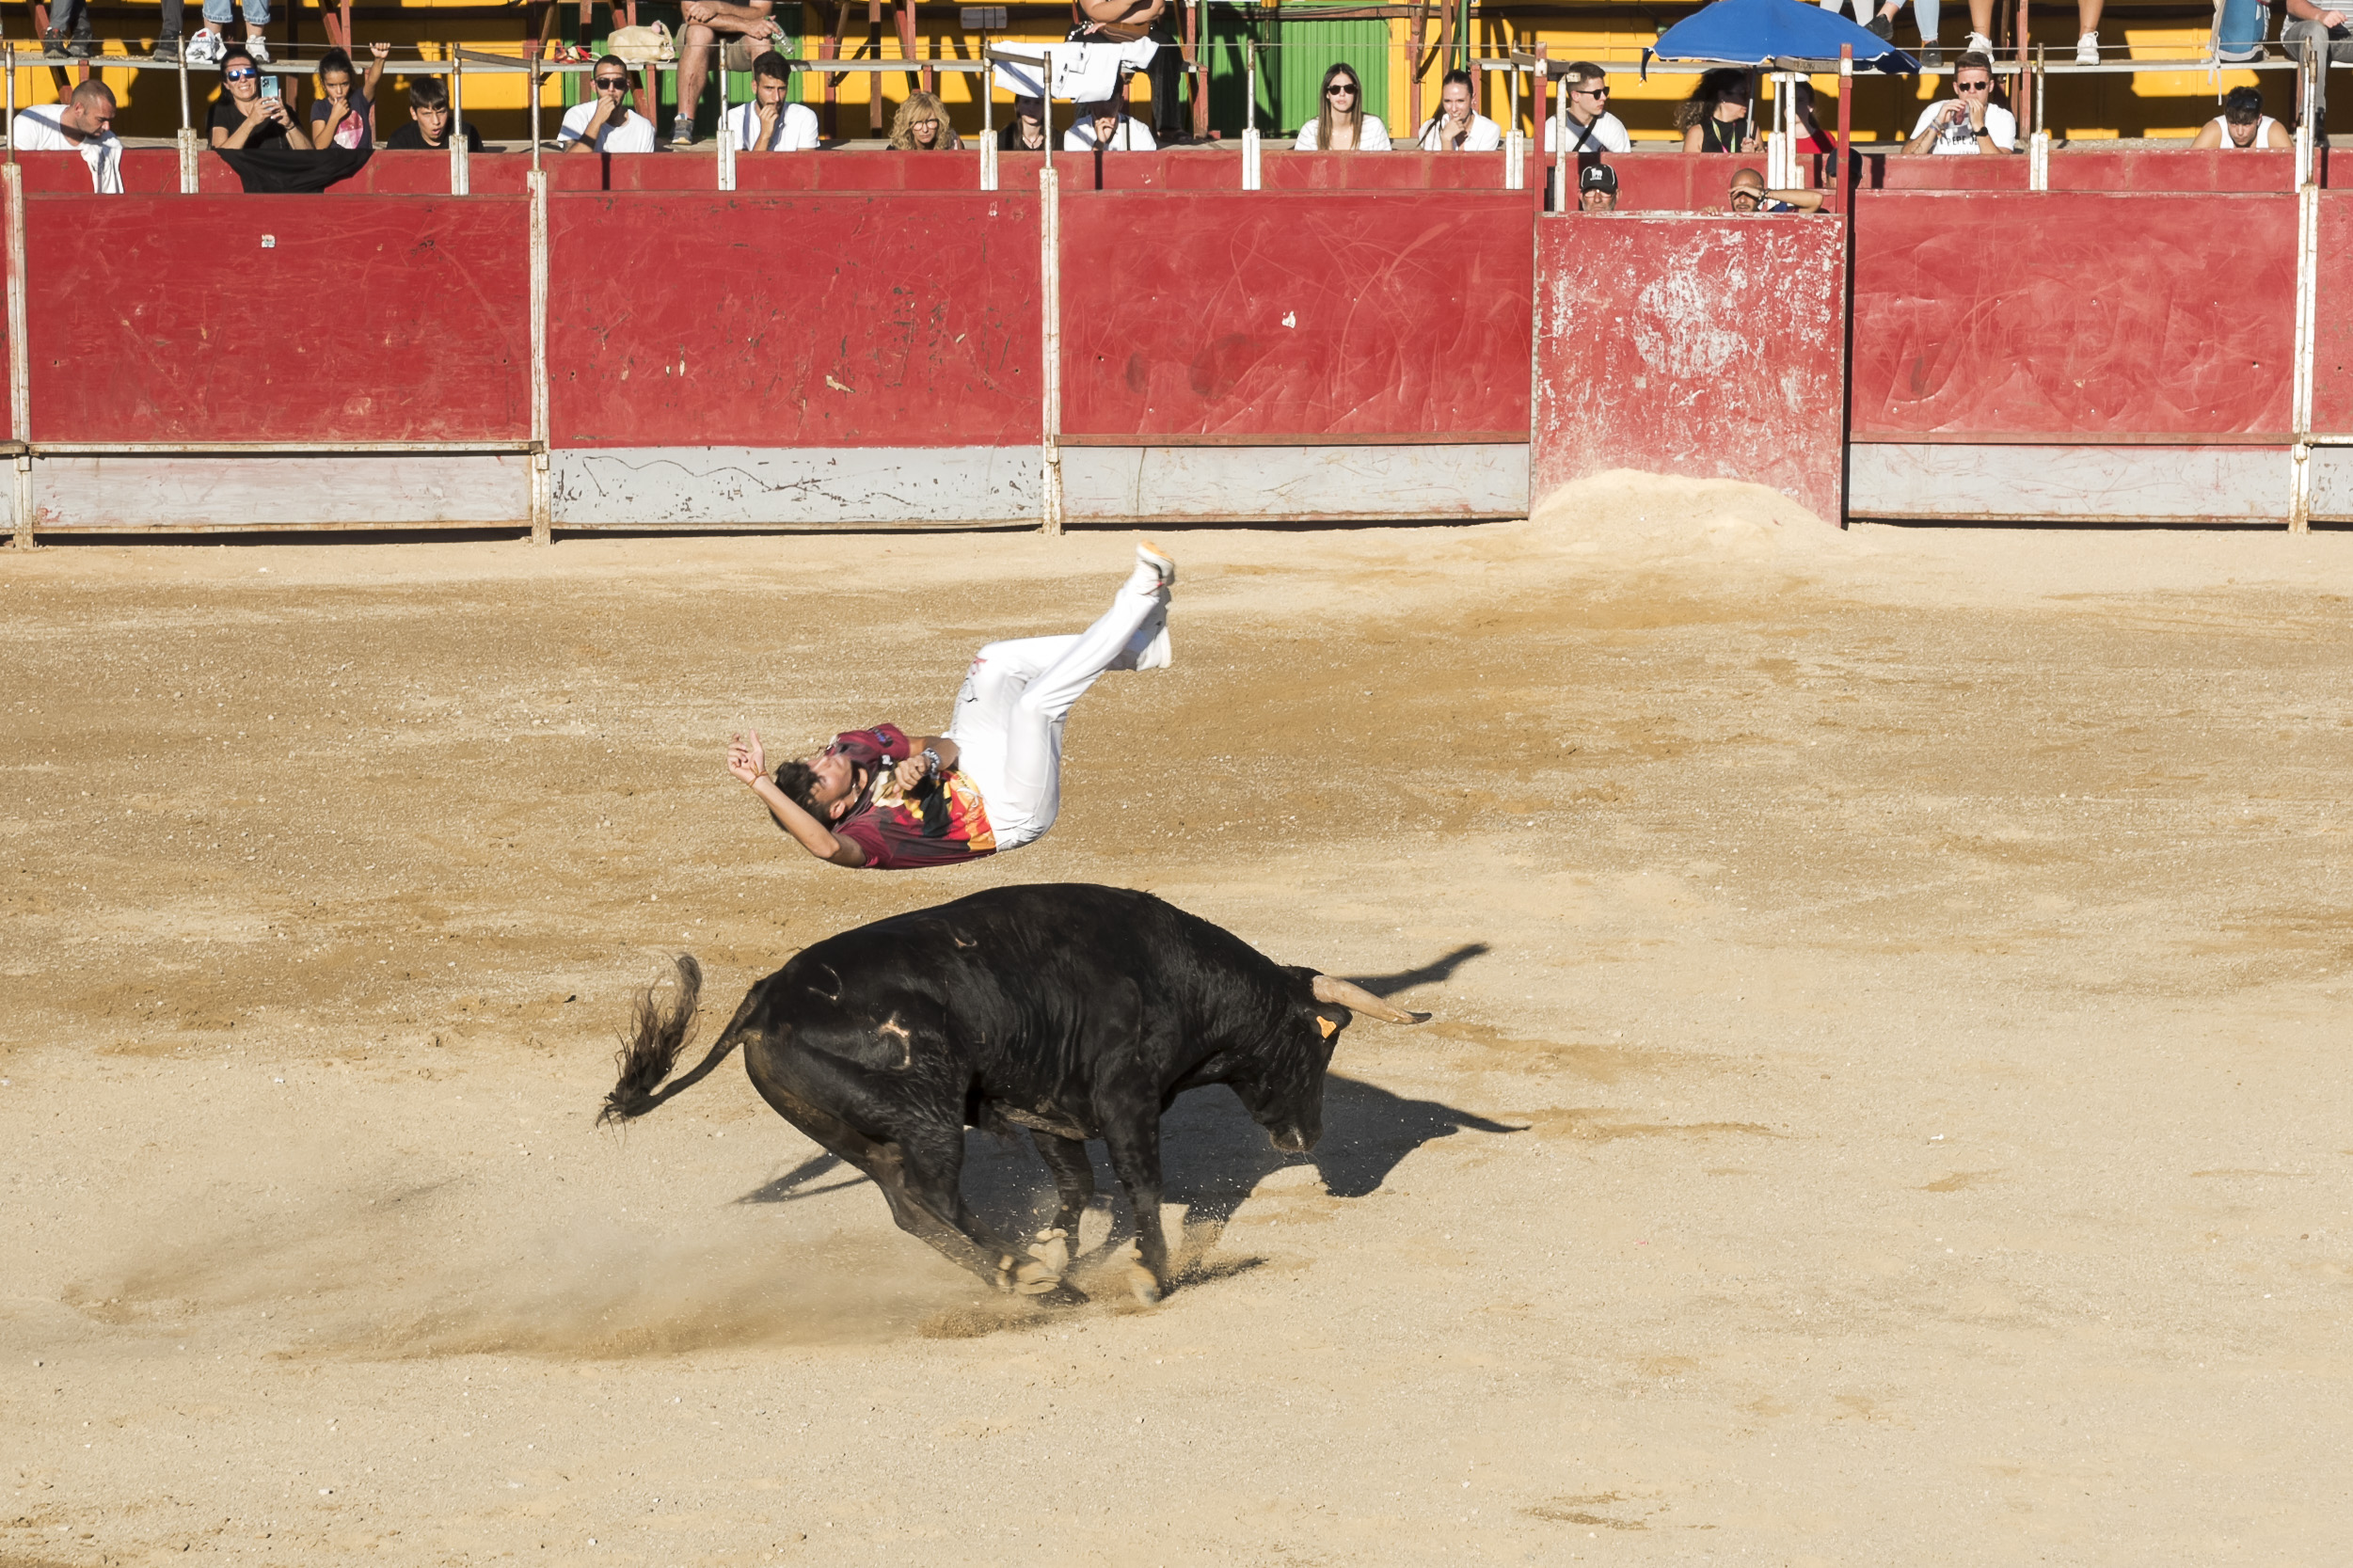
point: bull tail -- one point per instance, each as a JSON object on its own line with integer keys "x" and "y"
{"x": 659, "y": 1031}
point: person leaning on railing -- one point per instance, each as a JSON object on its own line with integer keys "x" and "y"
{"x": 1714, "y": 118}
{"x": 428, "y": 127}
{"x": 1026, "y": 131}
{"x": 84, "y": 123}
{"x": 768, "y": 123}
{"x": 1970, "y": 121}
{"x": 1596, "y": 189}
{"x": 1750, "y": 198}
{"x": 606, "y": 123}
{"x": 750, "y": 32}
{"x": 1109, "y": 126}
{"x": 1585, "y": 114}
{"x": 2312, "y": 29}
{"x": 241, "y": 116}
{"x": 1341, "y": 124}
{"x": 1457, "y": 126}
{"x": 921, "y": 126}
{"x": 2242, "y": 124}
{"x": 336, "y": 120}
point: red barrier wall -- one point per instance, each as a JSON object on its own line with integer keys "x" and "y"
{"x": 2000, "y": 318}
{"x": 1304, "y": 319}
{"x": 194, "y": 318}
{"x": 781, "y": 321}
{"x": 1702, "y": 346}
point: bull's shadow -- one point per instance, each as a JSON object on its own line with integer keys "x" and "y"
{"x": 1213, "y": 1155}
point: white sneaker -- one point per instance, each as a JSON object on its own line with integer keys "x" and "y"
{"x": 2088, "y": 49}
{"x": 1978, "y": 43}
{"x": 259, "y": 48}
{"x": 206, "y": 48}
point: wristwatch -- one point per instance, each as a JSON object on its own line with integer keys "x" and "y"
{"x": 931, "y": 763}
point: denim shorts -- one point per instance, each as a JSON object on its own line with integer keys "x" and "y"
{"x": 257, "y": 11}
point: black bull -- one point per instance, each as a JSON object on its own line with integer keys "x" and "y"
{"x": 1075, "y": 1012}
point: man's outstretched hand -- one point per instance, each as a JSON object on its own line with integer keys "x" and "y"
{"x": 746, "y": 760}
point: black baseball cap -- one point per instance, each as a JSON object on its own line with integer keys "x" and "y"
{"x": 1597, "y": 177}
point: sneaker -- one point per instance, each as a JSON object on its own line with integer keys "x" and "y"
{"x": 259, "y": 48}
{"x": 1880, "y": 27}
{"x": 2088, "y": 49}
{"x": 52, "y": 41}
{"x": 80, "y": 49}
{"x": 1152, "y": 555}
{"x": 167, "y": 50}
{"x": 1979, "y": 44}
{"x": 1932, "y": 58}
{"x": 682, "y": 131}
{"x": 206, "y": 48}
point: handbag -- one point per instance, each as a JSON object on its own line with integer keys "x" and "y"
{"x": 651, "y": 45}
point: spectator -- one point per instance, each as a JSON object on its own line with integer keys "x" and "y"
{"x": 750, "y": 32}
{"x": 241, "y": 116}
{"x": 84, "y": 123}
{"x": 1124, "y": 21}
{"x": 1109, "y": 126}
{"x": 1926, "y": 13}
{"x": 768, "y": 123}
{"x": 606, "y": 123}
{"x": 69, "y": 31}
{"x": 1970, "y": 121}
{"x": 1457, "y": 126}
{"x": 1026, "y": 131}
{"x": 1596, "y": 189}
{"x": 1585, "y": 113}
{"x": 2312, "y": 28}
{"x": 1810, "y": 134}
{"x": 2242, "y": 124}
{"x": 335, "y": 120}
{"x": 1714, "y": 118}
{"x": 208, "y": 48}
{"x": 1341, "y": 124}
{"x": 428, "y": 127}
{"x": 921, "y": 126}
{"x": 1749, "y": 198}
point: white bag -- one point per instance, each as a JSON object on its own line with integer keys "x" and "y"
{"x": 642, "y": 45}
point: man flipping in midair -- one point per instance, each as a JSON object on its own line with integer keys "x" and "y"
{"x": 879, "y": 799}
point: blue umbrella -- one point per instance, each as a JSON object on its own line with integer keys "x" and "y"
{"x": 1766, "y": 32}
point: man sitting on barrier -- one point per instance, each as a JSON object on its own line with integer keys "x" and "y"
{"x": 2243, "y": 124}
{"x": 768, "y": 123}
{"x": 1970, "y": 121}
{"x": 750, "y": 32}
{"x": 1584, "y": 118}
{"x": 1109, "y": 127}
{"x": 2313, "y": 29}
{"x": 606, "y": 123}
{"x": 1751, "y": 199}
{"x": 84, "y": 123}
{"x": 1596, "y": 189}
{"x": 428, "y": 129}
{"x": 877, "y": 800}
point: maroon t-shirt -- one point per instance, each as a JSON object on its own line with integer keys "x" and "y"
{"x": 940, "y": 821}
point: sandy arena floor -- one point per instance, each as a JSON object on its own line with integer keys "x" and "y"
{"x": 1887, "y": 1102}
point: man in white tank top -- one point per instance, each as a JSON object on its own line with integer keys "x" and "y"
{"x": 2242, "y": 124}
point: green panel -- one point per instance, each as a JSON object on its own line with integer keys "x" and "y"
{"x": 1295, "y": 48}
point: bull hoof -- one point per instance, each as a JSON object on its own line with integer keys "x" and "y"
{"x": 1143, "y": 1285}
{"x": 1053, "y": 1249}
{"x": 1029, "y": 1277}
{"x": 1063, "y": 1295}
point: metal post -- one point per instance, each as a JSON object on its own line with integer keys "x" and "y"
{"x": 1050, "y": 301}
{"x": 8, "y": 129}
{"x": 185, "y": 121}
{"x": 535, "y": 85}
{"x": 727, "y": 159}
{"x": 189, "y": 148}
{"x": 19, "y": 355}
{"x": 1842, "y": 195}
{"x": 542, "y": 513}
{"x": 461, "y": 181}
{"x": 987, "y": 118}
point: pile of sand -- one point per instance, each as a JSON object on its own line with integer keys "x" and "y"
{"x": 1626, "y": 512}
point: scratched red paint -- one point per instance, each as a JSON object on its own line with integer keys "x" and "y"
{"x": 2333, "y": 318}
{"x": 1708, "y": 347}
{"x": 789, "y": 321}
{"x": 366, "y": 319}
{"x": 1989, "y": 316}
{"x": 1305, "y": 316}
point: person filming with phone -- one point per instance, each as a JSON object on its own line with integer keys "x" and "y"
{"x": 243, "y": 116}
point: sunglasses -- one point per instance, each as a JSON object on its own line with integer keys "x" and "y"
{"x": 1973, "y": 86}
{"x": 239, "y": 75}
{"x": 1341, "y": 89}
{"x": 612, "y": 83}
{"x": 1591, "y": 92}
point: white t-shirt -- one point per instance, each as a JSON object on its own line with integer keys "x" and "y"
{"x": 1605, "y": 134}
{"x": 1999, "y": 125}
{"x": 1372, "y": 136}
{"x": 1485, "y": 135}
{"x": 635, "y": 134}
{"x": 796, "y": 129}
{"x": 1129, "y": 136}
{"x": 41, "y": 131}
{"x": 2262, "y": 134}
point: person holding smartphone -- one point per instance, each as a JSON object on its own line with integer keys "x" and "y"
{"x": 606, "y": 123}
{"x": 242, "y": 117}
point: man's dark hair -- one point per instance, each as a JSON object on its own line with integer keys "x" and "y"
{"x": 427, "y": 92}
{"x": 798, "y": 780}
{"x": 1583, "y": 70}
{"x": 771, "y": 65}
{"x": 95, "y": 92}
{"x": 1972, "y": 60}
{"x": 2243, "y": 106}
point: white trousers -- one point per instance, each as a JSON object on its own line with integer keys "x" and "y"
{"x": 1008, "y": 723}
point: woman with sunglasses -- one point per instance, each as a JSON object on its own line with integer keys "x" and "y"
{"x": 1714, "y": 118}
{"x": 241, "y": 116}
{"x": 1341, "y": 124}
{"x": 1457, "y": 126}
{"x": 606, "y": 123}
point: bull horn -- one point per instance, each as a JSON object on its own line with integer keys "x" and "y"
{"x": 1348, "y": 994}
